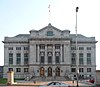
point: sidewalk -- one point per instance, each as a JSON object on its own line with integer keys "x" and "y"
{"x": 28, "y": 84}
{"x": 45, "y": 83}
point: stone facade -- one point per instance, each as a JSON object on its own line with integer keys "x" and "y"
{"x": 49, "y": 52}
{"x": 98, "y": 76}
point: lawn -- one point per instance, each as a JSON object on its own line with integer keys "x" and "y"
{"x": 3, "y": 81}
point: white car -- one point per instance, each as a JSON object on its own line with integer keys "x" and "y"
{"x": 58, "y": 84}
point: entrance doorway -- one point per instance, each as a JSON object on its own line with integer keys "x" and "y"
{"x": 57, "y": 73}
{"x": 42, "y": 71}
{"x": 49, "y": 71}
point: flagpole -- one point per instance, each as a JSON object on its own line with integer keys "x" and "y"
{"x": 49, "y": 7}
{"x": 77, "y": 59}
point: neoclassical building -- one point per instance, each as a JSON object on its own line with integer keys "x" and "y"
{"x": 49, "y": 52}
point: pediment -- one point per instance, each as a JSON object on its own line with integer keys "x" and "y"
{"x": 49, "y": 31}
{"x": 50, "y": 28}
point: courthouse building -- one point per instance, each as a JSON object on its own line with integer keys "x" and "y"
{"x": 49, "y": 52}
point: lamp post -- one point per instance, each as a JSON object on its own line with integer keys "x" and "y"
{"x": 77, "y": 59}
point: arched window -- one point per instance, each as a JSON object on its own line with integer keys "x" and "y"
{"x": 49, "y": 33}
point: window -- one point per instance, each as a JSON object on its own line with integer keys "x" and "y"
{"x": 81, "y": 48}
{"x": 18, "y": 48}
{"x": 18, "y": 69}
{"x": 88, "y": 69}
{"x": 73, "y": 69}
{"x": 26, "y": 48}
{"x": 49, "y": 46}
{"x": 57, "y": 59}
{"x": 25, "y": 69}
{"x": 26, "y": 56}
{"x": 57, "y": 46}
{"x": 42, "y": 59}
{"x": 81, "y": 70}
{"x": 88, "y": 48}
{"x": 81, "y": 76}
{"x": 42, "y": 46}
{"x": 73, "y": 48}
{"x": 49, "y": 33}
{"x": 49, "y": 59}
{"x": 81, "y": 58}
{"x": 1, "y": 69}
{"x": 10, "y": 48}
{"x": 18, "y": 56}
{"x": 73, "y": 58}
{"x": 88, "y": 58}
{"x": 10, "y": 58}
{"x": 10, "y": 69}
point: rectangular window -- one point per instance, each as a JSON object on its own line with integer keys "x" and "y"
{"x": 88, "y": 69}
{"x": 18, "y": 69}
{"x": 10, "y": 58}
{"x": 50, "y": 46}
{"x": 26, "y": 48}
{"x": 88, "y": 58}
{"x": 73, "y": 48}
{"x": 57, "y": 46}
{"x": 18, "y": 57}
{"x": 88, "y": 48}
{"x": 26, "y": 56}
{"x": 81, "y": 69}
{"x": 18, "y": 48}
{"x": 73, "y": 69}
{"x": 81, "y": 48}
{"x": 42, "y": 59}
{"x": 10, "y": 48}
{"x": 10, "y": 69}
{"x": 73, "y": 58}
{"x": 57, "y": 59}
{"x": 42, "y": 46}
{"x": 81, "y": 58}
{"x": 25, "y": 69}
{"x": 49, "y": 59}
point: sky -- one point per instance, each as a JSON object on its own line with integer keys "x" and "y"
{"x": 21, "y": 16}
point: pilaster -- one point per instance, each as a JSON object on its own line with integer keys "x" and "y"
{"x": 53, "y": 60}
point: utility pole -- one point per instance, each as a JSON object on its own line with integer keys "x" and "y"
{"x": 77, "y": 59}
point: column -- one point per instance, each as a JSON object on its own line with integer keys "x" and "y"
{"x": 65, "y": 54}
{"x": 14, "y": 56}
{"x": 32, "y": 59}
{"x": 68, "y": 55}
{"x": 6, "y": 55}
{"x": 46, "y": 58}
{"x": 22, "y": 56}
{"x": 85, "y": 56}
{"x": 53, "y": 57}
{"x": 38, "y": 57}
{"x": 61, "y": 54}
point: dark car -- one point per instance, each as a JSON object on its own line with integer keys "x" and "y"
{"x": 91, "y": 80}
{"x": 58, "y": 84}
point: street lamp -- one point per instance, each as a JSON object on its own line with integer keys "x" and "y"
{"x": 77, "y": 59}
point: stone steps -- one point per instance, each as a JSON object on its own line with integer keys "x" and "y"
{"x": 57, "y": 78}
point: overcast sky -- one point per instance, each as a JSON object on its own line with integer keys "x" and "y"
{"x": 21, "y": 16}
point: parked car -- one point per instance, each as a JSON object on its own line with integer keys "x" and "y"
{"x": 91, "y": 80}
{"x": 58, "y": 84}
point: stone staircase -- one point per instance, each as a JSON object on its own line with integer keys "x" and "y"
{"x": 56, "y": 78}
